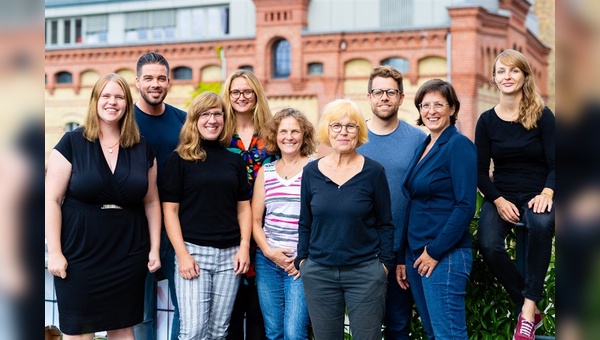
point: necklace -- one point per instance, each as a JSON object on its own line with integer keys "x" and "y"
{"x": 290, "y": 171}
{"x": 110, "y": 148}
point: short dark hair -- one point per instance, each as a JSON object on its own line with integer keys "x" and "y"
{"x": 386, "y": 71}
{"x": 151, "y": 58}
{"x": 445, "y": 89}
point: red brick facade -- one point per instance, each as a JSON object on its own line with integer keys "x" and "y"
{"x": 475, "y": 37}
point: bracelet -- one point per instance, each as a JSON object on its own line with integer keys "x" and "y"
{"x": 547, "y": 194}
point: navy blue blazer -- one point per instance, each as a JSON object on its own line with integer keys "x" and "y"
{"x": 442, "y": 190}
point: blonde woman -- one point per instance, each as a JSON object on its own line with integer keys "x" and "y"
{"x": 345, "y": 230}
{"x": 246, "y": 101}
{"x": 518, "y": 135}
{"x": 105, "y": 235}
{"x": 206, "y": 203}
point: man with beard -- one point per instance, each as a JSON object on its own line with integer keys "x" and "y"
{"x": 392, "y": 143}
{"x": 159, "y": 124}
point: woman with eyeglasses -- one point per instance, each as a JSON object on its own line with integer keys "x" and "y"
{"x": 441, "y": 184}
{"x": 246, "y": 102}
{"x": 518, "y": 135}
{"x": 206, "y": 205}
{"x": 345, "y": 230}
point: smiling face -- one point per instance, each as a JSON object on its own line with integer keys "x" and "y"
{"x": 111, "y": 103}
{"x": 343, "y": 141}
{"x": 289, "y": 136}
{"x": 436, "y": 119}
{"x": 153, "y": 84}
{"x": 509, "y": 79}
{"x": 384, "y": 107}
{"x": 210, "y": 125}
{"x": 242, "y": 104}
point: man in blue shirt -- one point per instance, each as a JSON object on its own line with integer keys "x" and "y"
{"x": 159, "y": 124}
{"x": 392, "y": 143}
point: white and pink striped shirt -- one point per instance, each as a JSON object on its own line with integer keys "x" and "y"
{"x": 282, "y": 208}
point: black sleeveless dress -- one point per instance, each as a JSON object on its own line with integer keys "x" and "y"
{"x": 106, "y": 249}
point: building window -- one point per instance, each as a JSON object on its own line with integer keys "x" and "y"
{"x": 150, "y": 26}
{"x": 96, "y": 29}
{"x": 203, "y": 22}
{"x": 315, "y": 69}
{"x": 400, "y": 64}
{"x": 247, "y": 68}
{"x": 64, "y": 78}
{"x": 182, "y": 73}
{"x": 70, "y": 126}
{"x": 281, "y": 59}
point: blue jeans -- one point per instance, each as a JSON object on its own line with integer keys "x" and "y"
{"x": 398, "y": 310}
{"x": 146, "y": 330}
{"x": 281, "y": 300}
{"x": 440, "y": 298}
{"x": 329, "y": 290}
{"x": 491, "y": 237}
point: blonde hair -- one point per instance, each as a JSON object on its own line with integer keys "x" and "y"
{"x": 130, "y": 133}
{"x": 532, "y": 104}
{"x": 261, "y": 112}
{"x": 309, "y": 143}
{"x": 337, "y": 110}
{"x": 190, "y": 145}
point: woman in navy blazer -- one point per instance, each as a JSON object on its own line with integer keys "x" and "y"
{"x": 441, "y": 184}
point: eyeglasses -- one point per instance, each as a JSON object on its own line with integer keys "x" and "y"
{"x": 235, "y": 94}
{"x": 391, "y": 93}
{"x": 425, "y": 107}
{"x": 207, "y": 115}
{"x": 337, "y": 127}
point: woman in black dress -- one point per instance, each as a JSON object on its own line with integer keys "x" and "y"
{"x": 102, "y": 217}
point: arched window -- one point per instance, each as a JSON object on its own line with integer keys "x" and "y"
{"x": 282, "y": 59}
{"x": 315, "y": 69}
{"x": 181, "y": 73}
{"x": 70, "y": 126}
{"x": 64, "y": 78}
{"x": 400, "y": 64}
{"x": 247, "y": 68}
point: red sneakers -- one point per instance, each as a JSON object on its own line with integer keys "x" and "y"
{"x": 525, "y": 329}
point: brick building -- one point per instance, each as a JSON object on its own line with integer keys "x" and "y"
{"x": 305, "y": 52}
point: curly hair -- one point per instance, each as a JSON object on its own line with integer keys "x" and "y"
{"x": 309, "y": 143}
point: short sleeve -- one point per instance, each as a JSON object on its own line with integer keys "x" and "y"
{"x": 65, "y": 146}
{"x": 150, "y": 153}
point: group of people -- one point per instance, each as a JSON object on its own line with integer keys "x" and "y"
{"x": 255, "y": 227}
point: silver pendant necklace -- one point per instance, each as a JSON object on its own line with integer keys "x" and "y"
{"x": 110, "y": 148}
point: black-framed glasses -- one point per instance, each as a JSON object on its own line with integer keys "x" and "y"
{"x": 425, "y": 107}
{"x": 337, "y": 127}
{"x": 207, "y": 115}
{"x": 235, "y": 94}
{"x": 391, "y": 93}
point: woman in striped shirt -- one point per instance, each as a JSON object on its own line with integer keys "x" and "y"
{"x": 276, "y": 197}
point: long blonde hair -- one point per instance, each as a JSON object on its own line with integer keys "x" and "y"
{"x": 130, "y": 133}
{"x": 532, "y": 104}
{"x": 190, "y": 145}
{"x": 261, "y": 112}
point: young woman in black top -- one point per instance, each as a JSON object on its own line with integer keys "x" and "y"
{"x": 518, "y": 136}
